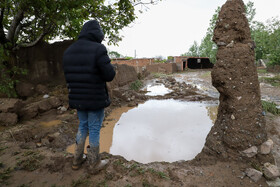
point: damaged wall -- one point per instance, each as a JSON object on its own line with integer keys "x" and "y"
{"x": 43, "y": 62}
{"x": 240, "y": 123}
{"x": 139, "y": 64}
{"x": 44, "y": 65}
{"x": 162, "y": 68}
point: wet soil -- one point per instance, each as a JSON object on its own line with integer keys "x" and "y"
{"x": 33, "y": 153}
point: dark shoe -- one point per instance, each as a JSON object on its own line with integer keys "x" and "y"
{"x": 94, "y": 163}
{"x": 78, "y": 156}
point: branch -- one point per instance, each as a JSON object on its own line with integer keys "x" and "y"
{"x": 3, "y": 38}
{"x": 40, "y": 37}
{"x": 147, "y": 3}
{"x": 14, "y": 25}
{"x": 20, "y": 27}
{"x": 2, "y": 15}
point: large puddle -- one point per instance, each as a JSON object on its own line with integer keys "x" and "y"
{"x": 158, "y": 130}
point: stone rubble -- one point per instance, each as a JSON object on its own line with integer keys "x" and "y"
{"x": 254, "y": 174}
{"x": 266, "y": 147}
{"x": 270, "y": 171}
{"x": 251, "y": 152}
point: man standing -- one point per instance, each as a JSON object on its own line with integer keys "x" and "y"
{"x": 87, "y": 68}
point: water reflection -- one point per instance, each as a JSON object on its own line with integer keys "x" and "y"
{"x": 158, "y": 130}
{"x": 157, "y": 89}
{"x": 51, "y": 123}
{"x": 166, "y": 130}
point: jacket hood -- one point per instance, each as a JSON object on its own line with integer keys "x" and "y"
{"x": 92, "y": 31}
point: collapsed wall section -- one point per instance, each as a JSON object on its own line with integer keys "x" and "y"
{"x": 240, "y": 123}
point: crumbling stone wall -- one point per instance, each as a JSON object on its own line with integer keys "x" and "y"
{"x": 240, "y": 123}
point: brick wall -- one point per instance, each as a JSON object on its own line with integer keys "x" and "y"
{"x": 138, "y": 64}
{"x": 162, "y": 68}
{"x": 179, "y": 61}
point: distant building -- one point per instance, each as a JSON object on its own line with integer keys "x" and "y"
{"x": 184, "y": 62}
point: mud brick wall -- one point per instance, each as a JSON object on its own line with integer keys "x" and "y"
{"x": 179, "y": 61}
{"x": 162, "y": 68}
{"x": 43, "y": 62}
{"x": 138, "y": 64}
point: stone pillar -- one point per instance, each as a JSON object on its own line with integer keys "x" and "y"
{"x": 240, "y": 123}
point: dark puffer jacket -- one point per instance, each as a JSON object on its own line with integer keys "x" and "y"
{"x": 87, "y": 68}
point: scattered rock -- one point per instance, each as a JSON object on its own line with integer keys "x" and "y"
{"x": 270, "y": 171}
{"x": 46, "y": 96}
{"x": 230, "y": 45}
{"x": 252, "y": 151}
{"x": 25, "y": 89}
{"x": 44, "y": 105}
{"x": 132, "y": 104}
{"x": 8, "y": 119}
{"x": 53, "y": 136}
{"x": 39, "y": 144}
{"x": 10, "y": 105}
{"x": 32, "y": 110}
{"x": 274, "y": 183}
{"x": 29, "y": 112}
{"x": 41, "y": 89}
{"x": 55, "y": 102}
{"x": 45, "y": 141}
{"x": 254, "y": 174}
{"x": 221, "y": 44}
{"x": 266, "y": 147}
{"x": 63, "y": 109}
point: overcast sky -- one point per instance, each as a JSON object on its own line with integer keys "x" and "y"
{"x": 169, "y": 28}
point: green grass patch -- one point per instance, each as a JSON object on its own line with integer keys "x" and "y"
{"x": 31, "y": 162}
{"x": 270, "y": 107}
{"x": 133, "y": 166}
{"x": 159, "y": 75}
{"x": 159, "y": 173}
{"x": 5, "y": 175}
{"x": 274, "y": 81}
{"x": 136, "y": 85}
{"x": 261, "y": 70}
{"x": 206, "y": 74}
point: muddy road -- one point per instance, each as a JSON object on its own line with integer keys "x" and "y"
{"x": 150, "y": 137}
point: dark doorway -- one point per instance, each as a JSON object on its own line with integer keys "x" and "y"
{"x": 184, "y": 64}
{"x": 199, "y": 63}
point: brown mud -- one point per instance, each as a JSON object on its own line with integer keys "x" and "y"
{"x": 33, "y": 153}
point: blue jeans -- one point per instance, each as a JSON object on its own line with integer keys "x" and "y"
{"x": 90, "y": 121}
